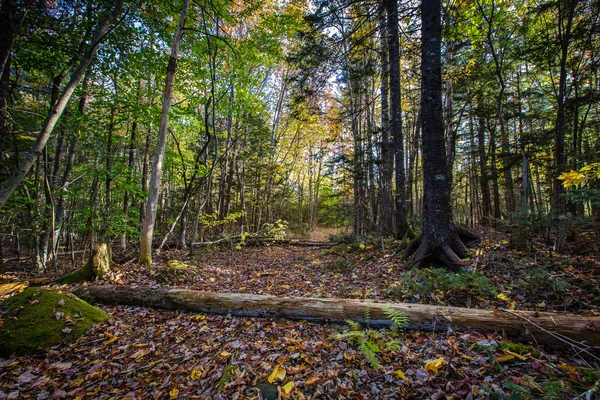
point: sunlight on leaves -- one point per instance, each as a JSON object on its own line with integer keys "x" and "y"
{"x": 400, "y": 375}
{"x": 278, "y": 373}
{"x": 433, "y": 365}
{"x": 287, "y": 388}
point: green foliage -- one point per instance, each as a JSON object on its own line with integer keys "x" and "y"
{"x": 277, "y": 230}
{"x": 36, "y": 319}
{"x": 399, "y": 319}
{"x": 225, "y": 376}
{"x": 452, "y": 287}
{"x": 519, "y": 348}
{"x": 370, "y": 341}
{"x": 527, "y": 227}
{"x": 212, "y": 220}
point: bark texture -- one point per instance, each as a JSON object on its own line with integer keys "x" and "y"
{"x": 335, "y": 309}
{"x": 440, "y": 240}
{"x": 152, "y": 203}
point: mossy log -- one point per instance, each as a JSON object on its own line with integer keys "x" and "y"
{"x": 96, "y": 267}
{"x": 576, "y": 327}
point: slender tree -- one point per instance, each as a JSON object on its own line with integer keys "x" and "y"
{"x": 402, "y": 227}
{"x": 152, "y": 202}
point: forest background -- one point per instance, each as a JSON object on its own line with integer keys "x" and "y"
{"x": 290, "y": 115}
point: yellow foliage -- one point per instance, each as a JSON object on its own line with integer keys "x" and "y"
{"x": 287, "y": 388}
{"x": 503, "y": 297}
{"x": 278, "y": 373}
{"x": 433, "y": 365}
{"x": 400, "y": 375}
{"x": 571, "y": 178}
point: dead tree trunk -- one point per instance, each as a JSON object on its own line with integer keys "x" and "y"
{"x": 333, "y": 310}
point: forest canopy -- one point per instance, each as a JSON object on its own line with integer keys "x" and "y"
{"x": 288, "y": 115}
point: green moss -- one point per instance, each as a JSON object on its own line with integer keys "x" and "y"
{"x": 519, "y": 348}
{"x": 31, "y": 323}
{"x": 85, "y": 273}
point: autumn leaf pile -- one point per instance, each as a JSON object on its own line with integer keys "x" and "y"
{"x": 147, "y": 353}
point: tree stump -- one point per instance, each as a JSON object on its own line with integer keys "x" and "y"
{"x": 95, "y": 269}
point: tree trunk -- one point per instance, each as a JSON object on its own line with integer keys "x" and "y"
{"x": 386, "y": 164}
{"x": 559, "y": 202}
{"x": 152, "y": 202}
{"x": 57, "y": 110}
{"x": 402, "y": 227}
{"x": 484, "y": 178}
{"x": 440, "y": 240}
{"x": 7, "y": 34}
{"x": 338, "y": 310}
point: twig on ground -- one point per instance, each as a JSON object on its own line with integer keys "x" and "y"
{"x": 581, "y": 347}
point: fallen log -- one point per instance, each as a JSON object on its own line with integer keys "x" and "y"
{"x": 545, "y": 330}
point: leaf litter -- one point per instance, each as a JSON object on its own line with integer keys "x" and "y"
{"x": 147, "y": 353}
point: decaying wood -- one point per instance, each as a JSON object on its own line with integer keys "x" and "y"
{"x": 334, "y": 309}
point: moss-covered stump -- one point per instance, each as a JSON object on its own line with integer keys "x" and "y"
{"x": 96, "y": 267}
{"x": 36, "y": 319}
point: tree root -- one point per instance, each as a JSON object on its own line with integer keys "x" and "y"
{"x": 422, "y": 252}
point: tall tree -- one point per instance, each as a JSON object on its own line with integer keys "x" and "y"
{"x": 386, "y": 167}
{"x": 402, "y": 227}
{"x": 157, "y": 166}
{"x": 440, "y": 240}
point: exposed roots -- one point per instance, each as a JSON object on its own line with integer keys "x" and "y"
{"x": 422, "y": 252}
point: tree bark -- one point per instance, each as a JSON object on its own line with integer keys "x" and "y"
{"x": 440, "y": 240}
{"x": 338, "y": 310}
{"x": 152, "y": 202}
{"x": 402, "y": 227}
{"x": 55, "y": 113}
{"x": 386, "y": 165}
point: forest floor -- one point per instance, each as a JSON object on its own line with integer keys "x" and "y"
{"x": 147, "y": 353}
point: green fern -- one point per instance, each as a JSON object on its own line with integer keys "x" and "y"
{"x": 398, "y": 318}
{"x": 367, "y": 314}
{"x": 355, "y": 326}
{"x": 367, "y": 349}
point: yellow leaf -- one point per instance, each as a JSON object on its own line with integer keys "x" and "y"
{"x": 110, "y": 340}
{"x": 278, "y": 373}
{"x": 505, "y": 358}
{"x": 195, "y": 375}
{"x": 400, "y": 375}
{"x": 287, "y": 388}
{"x": 516, "y": 355}
{"x": 503, "y": 297}
{"x": 571, "y": 178}
{"x": 568, "y": 368}
{"x": 433, "y": 365}
{"x": 225, "y": 354}
{"x": 174, "y": 393}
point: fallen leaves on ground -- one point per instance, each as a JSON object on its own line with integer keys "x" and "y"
{"x": 167, "y": 354}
